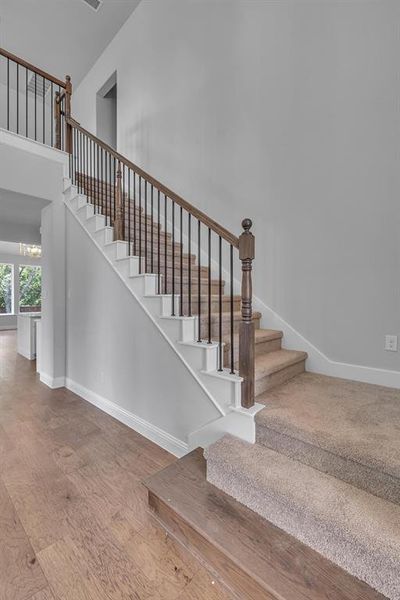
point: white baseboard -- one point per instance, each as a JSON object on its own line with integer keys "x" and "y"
{"x": 148, "y": 430}
{"x": 52, "y": 382}
{"x": 317, "y": 361}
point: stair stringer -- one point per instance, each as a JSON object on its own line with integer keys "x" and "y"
{"x": 222, "y": 388}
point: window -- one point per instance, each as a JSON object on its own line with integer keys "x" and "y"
{"x": 6, "y": 289}
{"x": 30, "y": 288}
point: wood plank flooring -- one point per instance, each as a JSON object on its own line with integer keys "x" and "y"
{"x": 74, "y": 520}
{"x": 258, "y": 560}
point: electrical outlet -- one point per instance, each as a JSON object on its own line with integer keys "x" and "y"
{"x": 391, "y": 343}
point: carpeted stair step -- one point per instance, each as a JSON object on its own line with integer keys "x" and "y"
{"x": 226, "y": 323}
{"x": 354, "y": 529}
{"x": 265, "y": 340}
{"x": 276, "y": 367}
{"x": 344, "y": 428}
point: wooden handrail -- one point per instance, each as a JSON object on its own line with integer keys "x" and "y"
{"x": 195, "y": 212}
{"x": 31, "y": 67}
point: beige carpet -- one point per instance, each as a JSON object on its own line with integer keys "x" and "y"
{"x": 344, "y": 428}
{"x": 356, "y": 530}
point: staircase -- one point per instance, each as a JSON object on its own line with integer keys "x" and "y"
{"x": 310, "y": 511}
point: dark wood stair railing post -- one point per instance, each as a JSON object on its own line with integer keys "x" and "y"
{"x": 68, "y": 128}
{"x": 246, "y": 329}
{"x": 119, "y": 214}
{"x": 57, "y": 120}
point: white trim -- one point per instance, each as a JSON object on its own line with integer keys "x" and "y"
{"x": 52, "y": 382}
{"x": 8, "y": 327}
{"x": 24, "y": 143}
{"x": 318, "y": 362}
{"x": 148, "y": 430}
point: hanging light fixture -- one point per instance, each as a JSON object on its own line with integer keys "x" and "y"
{"x": 30, "y": 250}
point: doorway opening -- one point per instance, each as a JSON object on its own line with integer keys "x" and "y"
{"x": 106, "y": 111}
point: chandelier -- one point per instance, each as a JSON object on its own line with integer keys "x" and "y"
{"x": 30, "y": 250}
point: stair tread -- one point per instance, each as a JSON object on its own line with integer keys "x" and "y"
{"x": 237, "y": 315}
{"x": 339, "y": 426}
{"x": 260, "y": 335}
{"x": 271, "y": 362}
{"x": 255, "y": 557}
{"x": 355, "y": 529}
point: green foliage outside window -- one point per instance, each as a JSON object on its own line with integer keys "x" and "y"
{"x": 30, "y": 286}
{"x": 5, "y": 288}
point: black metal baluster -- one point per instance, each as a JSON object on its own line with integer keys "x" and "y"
{"x": 220, "y": 304}
{"x": 173, "y": 258}
{"x": 145, "y": 226}
{"x": 198, "y": 278}
{"x": 134, "y": 213}
{"x": 110, "y": 189}
{"x": 26, "y": 103}
{"x": 51, "y": 112}
{"x": 151, "y": 234}
{"x": 101, "y": 182}
{"x": 231, "y": 325}
{"x": 165, "y": 244}
{"x": 129, "y": 213}
{"x": 181, "y": 267}
{"x": 189, "y": 265}
{"x": 35, "y": 107}
{"x": 8, "y": 94}
{"x": 209, "y": 285}
{"x": 17, "y": 98}
{"x": 123, "y": 202}
{"x": 158, "y": 243}
{"x": 44, "y": 112}
{"x": 114, "y": 176}
{"x": 140, "y": 224}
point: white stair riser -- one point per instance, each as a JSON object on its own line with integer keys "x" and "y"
{"x": 144, "y": 284}
{"x": 201, "y": 357}
{"x": 129, "y": 267}
{"x": 116, "y": 250}
{"x": 85, "y": 212}
{"x": 104, "y": 236}
{"x": 227, "y": 392}
{"x": 96, "y": 223}
{"x": 78, "y": 201}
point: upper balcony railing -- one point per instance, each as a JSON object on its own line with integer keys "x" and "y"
{"x": 161, "y": 228}
{"x": 27, "y": 100}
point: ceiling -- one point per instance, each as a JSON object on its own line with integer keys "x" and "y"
{"x": 20, "y": 208}
{"x": 61, "y": 36}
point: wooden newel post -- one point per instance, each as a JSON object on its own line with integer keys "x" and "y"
{"x": 246, "y": 329}
{"x": 119, "y": 213}
{"x": 68, "y": 128}
{"x": 57, "y": 120}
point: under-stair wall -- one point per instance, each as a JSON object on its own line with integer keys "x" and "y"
{"x": 118, "y": 359}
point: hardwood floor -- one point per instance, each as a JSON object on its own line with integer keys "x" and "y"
{"x": 74, "y": 520}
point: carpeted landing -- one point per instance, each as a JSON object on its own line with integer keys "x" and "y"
{"x": 325, "y": 468}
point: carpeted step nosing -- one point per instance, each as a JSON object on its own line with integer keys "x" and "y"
{"x": 273, "y": 362}
{"x": 358, "y": 531}
{"x": 354, "y": 472}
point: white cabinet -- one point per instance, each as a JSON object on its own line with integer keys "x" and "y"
{"x": 26, "y": 334}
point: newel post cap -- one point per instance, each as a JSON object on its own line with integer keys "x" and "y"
{"x": 246, "y": 241}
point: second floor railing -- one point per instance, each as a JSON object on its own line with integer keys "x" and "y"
{"x": 192, "y": 256}
{"x": 28, "y": 100}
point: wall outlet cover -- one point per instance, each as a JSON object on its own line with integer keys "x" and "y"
{"x": 391, "y": 343}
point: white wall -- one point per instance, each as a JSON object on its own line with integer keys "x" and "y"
{"x": 285, "y": 112}
{"x": 116, "y": 353}
{"x": 34, "y": 173}
{"x": 10, "y": 321}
